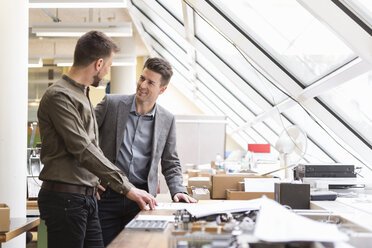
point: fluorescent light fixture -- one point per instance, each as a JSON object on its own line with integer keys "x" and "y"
{"x": 35, "y": 62}
{"x": 59, "y": 29}
{"x": 34, "y": 103}
{"x": 124, "y": 60}
{"x": 77, "y": 4}
{"x": 119, "y": 60}
{"x": 63, "y": 61}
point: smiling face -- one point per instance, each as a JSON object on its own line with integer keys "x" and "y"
{"x": 149, "y": 87}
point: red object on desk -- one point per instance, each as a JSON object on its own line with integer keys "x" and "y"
{"x": 259, "y": 148}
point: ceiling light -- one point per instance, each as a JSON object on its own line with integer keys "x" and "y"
{"x": 60, "y": 29}
{"x": 63, "y": 61}
{"x": 77, "y": 4}
{"x": 35, "y": 62}
{"x": 119, "y": 60}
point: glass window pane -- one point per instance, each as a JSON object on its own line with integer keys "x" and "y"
{"x": 315, "y": 133}
{"x": 164, "y": 40}
{"x": 174, "y": 7}
{"x": 266, "y": 135}
{"x": 219, "y": 103}
{"x": 242, "y": 138}
{"x": 353, "y": 103}
{"x": 221, "y": 92}
{"x": 239, "y": 139}
{"x": 269, "y": 135}
{"x": 362, "y": 8}
{"x": 238, "y": 89}
{"x": 299, "y": 41}
{"x": 273, "y": 124}
{"x": 231, "y": 56}
{"x": 231, "y": 113}
{"x": 160, "y": 23}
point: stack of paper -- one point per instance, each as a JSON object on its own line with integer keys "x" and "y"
{"x": 202, "y": 210}
{"x": 277, "y": 224}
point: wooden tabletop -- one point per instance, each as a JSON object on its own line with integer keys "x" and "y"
{"x": 32, "y": 204}
{"x": 18, "y": 226}
{"x": 130, "y": 239}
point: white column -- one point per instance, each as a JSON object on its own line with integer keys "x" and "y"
{"x": 123, "y": 78}
{"x": 13, "y": 109}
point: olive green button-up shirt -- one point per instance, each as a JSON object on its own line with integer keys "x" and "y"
{"x": 69, "y": 149}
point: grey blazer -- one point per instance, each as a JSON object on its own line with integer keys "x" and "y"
{"x": 112, "y": 115}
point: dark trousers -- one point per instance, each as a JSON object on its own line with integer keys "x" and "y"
{"x": 71, "y": 220}
{"x": 115, "y": 212}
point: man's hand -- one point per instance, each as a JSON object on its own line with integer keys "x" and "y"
{"x": 181, "y": 197}
{"x": 101, "y": 188}
{"x": 142, "y": 198}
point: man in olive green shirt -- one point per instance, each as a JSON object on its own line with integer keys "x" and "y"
{"x": 74, "y": 164}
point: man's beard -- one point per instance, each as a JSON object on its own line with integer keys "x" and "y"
{"x": 96, "y": 80}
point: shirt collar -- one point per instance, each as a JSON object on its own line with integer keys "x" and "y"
{"x": 134, "y": 111}
{"x": 73, "y": 82}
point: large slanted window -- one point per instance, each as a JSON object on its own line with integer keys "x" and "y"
{"x": 305, "y": 47}
{"x": 352, "y": 102}
{"x": 236, "y": 60}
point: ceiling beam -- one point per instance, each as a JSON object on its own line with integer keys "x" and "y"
{"x": 77, "y": 4}
{"x": 358, "y": 39}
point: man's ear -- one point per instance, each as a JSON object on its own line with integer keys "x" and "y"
{"x": 98, "y": 64}
{"x": 163, "y": 88}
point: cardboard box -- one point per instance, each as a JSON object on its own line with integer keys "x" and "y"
{"x": 241, "y": 186}
{"x": 201, "y": 194}
{"x": 4, "y": 218}
{"x": 222, "y": 182}
{"x": 193, "y": 173}
{"x": 241, "y": 195}
{"x": 200, "y": 182}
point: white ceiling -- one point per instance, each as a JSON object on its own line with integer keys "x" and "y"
{"x": 49, "y": 47}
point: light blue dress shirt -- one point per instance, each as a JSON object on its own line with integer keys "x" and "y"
{"x": 135, "y": 152}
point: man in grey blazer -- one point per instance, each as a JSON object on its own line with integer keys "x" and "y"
{"x": 135, "y": 134}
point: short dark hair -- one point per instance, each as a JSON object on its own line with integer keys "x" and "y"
{"x": 91, "y": 47}
{"x": 160, "y": 66}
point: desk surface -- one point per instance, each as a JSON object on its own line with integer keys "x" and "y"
{"x": 18, "y": 226}
{"x": 342, "y": 207}
{"x": 127, "y": 239}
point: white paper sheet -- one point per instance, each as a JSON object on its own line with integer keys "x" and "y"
{"x": 202, "y": 210}
{"x": 260, "y": 184}
{"x": 172, "y": 205}
{"x": 169, "y": 218}
{"x": 277, "y": 224}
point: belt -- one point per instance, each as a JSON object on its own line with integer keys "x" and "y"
{"x": 69, "y": 188}
{"x": 110, "y": 192}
